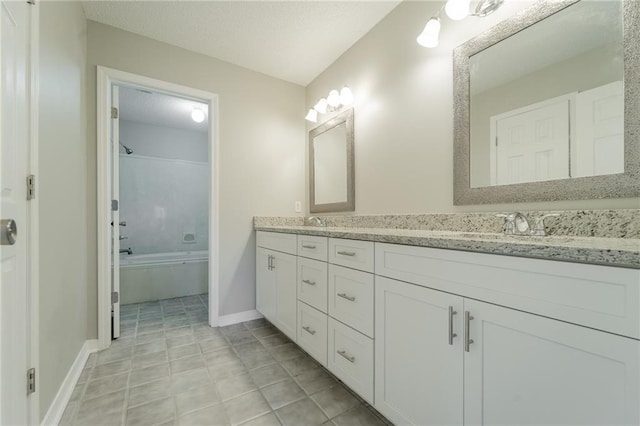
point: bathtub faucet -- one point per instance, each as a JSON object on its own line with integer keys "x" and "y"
{"x": 127, "y": 250}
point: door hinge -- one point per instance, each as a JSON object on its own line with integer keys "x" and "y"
{"x": 115, "y": 297}
{"x": 31, "y": 187}
{"x": 114, "y": 205}
{"x": 31, "y": 381}
{"x": 496, "y": 141}
{"x": 114, "y": 112}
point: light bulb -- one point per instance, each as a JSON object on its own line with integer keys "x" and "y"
{"x": 430, "y": 34}
{"x": 346, "y": 97}
{"x": 334, "y": 98}
{"x": 321, "y": 106}
{"x": 197, "y": 115}
{"x": 312, "y": 116}
{"x": 457, "y": 9}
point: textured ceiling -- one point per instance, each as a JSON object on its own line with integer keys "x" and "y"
{"x": 291, "y": 40}
{"x": 159, "y": 109}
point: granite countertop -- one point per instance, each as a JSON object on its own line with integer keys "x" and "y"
{"x": 620, "y": 252}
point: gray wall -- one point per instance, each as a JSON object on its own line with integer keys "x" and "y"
{"x": 62, "y": 194}
{"x": 261, "y": 130}
{"x": 404, "y": 114}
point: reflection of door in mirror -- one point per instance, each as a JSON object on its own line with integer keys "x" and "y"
{"x": 532, "y": 144}
{"x": 330, "y": 165}
{"x": 599, "y": 147}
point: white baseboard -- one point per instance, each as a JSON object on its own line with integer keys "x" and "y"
{"x": 238, "y": 317}
{"x": 57, "y": 407}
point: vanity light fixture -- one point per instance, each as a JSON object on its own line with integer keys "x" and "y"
{"x": 455, "y": 10}
{"x": 197, "y": 115}
{"x": 333, "y": 102}
{"x": 312, "y": 116}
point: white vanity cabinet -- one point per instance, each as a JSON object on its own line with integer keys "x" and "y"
{"x": 418, "y": 365}
{"x": 524, "y": 369}
{"x": 443, "y": 358}
{"x": 276, "y": 280}
{"x": 433, "y": 336}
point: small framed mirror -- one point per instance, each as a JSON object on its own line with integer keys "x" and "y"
{"x": 331, "y": 170}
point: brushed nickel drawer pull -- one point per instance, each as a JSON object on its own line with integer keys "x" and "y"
{"x": 347, "y": 253}
{"x": 309, "y": 282}
{"x": 467, "y": 330}
{"x": 309, "y": 330}
{"x": 451, "y": 333}
{"x": 308, "y": 247}
{"x": 343, "y": 354}
{"x": 349, "y": 298}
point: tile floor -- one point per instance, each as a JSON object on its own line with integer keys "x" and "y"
{"x": 170, "y": 368}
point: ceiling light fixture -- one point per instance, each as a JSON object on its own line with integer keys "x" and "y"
{"x": 455, "y": 10}
{"x": 197, "y": 115}
{"x": 333, "y": 102}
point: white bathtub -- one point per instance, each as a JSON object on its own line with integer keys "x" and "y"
{"x": 147, "y": 277}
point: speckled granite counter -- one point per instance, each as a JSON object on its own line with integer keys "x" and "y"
{"x": 617, "y": 251}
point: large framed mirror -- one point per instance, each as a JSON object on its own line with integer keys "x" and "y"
{"x": 547, "y": 105}
{"x": 331, "y": 168}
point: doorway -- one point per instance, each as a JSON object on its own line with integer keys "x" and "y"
{"x": 157, "y": 209}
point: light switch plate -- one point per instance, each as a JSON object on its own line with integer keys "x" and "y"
{"x": 298, "y": 206}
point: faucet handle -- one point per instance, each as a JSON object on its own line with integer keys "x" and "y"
{"x": 539, "y": 227}
{"x": 510, "y": 222}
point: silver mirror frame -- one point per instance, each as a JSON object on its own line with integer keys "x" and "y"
{"x": 350, "y": 204}
{"x": 621, "y": 185}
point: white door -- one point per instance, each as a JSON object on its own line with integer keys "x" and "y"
{"x": 599, "y": 145}
{"x": 14, "y": 141}
{"x": 523, "y": 369}
{"x": 532, "y": 145}
{"x": 418, "y": 365}
{"x": 115, "y": 213}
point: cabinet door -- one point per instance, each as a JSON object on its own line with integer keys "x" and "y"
{"x": 284, "y": 266}
{"x": 265, "y": 284}
{"x": 418, "y": 374}
{"x": 526, "y": 369}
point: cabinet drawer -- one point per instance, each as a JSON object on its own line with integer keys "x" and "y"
{"x": 312, "y": 332}
{"x": 350, "y": 358}
{"x": 351, "y": 298}
{"x": 351, "y": 253}
{"x": 312, "y": 283}
{"x": 286, "y": 243}
{"x": 602, "y": 297}
{"x": 313, "y": 247}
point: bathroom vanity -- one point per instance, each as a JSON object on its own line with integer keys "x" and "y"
{"x": 435, "y": 327}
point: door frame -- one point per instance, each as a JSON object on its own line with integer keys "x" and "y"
{"x": 106, "y": 77}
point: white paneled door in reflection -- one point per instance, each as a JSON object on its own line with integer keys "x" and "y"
{"x": 532, "y": 144}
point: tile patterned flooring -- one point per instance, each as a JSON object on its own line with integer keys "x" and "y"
{"x": 170, "y": 368}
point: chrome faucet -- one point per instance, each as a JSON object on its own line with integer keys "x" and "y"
{"x": 517, "y": 223}
{"x": 315, "y": 220}
{"x": 127, "y": 250}
{"x": 538, "y": 228}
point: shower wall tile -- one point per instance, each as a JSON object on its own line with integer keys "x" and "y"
{"x": 161, "y": 200}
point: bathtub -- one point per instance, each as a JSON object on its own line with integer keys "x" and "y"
{"x": 148, "y": 277}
